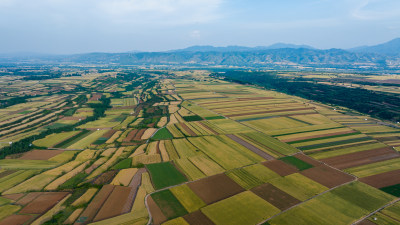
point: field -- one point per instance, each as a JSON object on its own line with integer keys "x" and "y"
{"x": 244, "y": 208}
{"x": 164, "y": 175}
{"x": 140, "y": 146}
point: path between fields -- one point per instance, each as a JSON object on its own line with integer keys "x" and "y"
{"x": 364, "y": 217}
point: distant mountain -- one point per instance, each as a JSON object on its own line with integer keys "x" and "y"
{"x": 391, "y": 48}
{"x": 277, "y": 56}
{"x": 284, "y": 45}
{"x": 209, "y": 48}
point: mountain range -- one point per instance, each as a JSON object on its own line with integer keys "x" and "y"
{"x": 384, "y": 56}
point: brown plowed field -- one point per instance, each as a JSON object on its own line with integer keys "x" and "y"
{"x": 130, "y": 136}
{"x": 139, "y": 134}
{"x": 41, "y": 154}
{"x": 361, "y": 158}
{"x": 308, "y": 159}
{"x": 366, "y": 222}
{"x": 198, "y": 218}
{"x": 215, "y": 188}
{"x": 192, "y": 133}
{"x": 109, "y": 134}
{"x": 43, "y": 203}
{"x": 106, "y": 177}
{"x": 158, "y": 216}
{"x": 269, "y": 111}
{"x": 209, "y": 128}
{"x": 318, "y": 136}
{"x": 91, "y": 210}
{"x": 14, "y": 197}
{"x": 280, "y": 167}
{"x": 383, "y": 180}
{"x": 275, "y": 196}
{"x": 114, "y": 204}
{"x": 250, "y": 147}
{"x": 327, "y": 176}
{"x": 16, "y": 220}
{"x": 28, "y": 198}
{"x": 7, "y": 172}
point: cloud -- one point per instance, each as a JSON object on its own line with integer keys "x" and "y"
{"x": 161, "y": 11}
{"x": 195, "y": 34}
{"x": 376, "y": 10}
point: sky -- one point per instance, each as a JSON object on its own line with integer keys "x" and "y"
{"x": 81, "y": 26}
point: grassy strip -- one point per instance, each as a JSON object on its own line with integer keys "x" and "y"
{"x": 192, "y": 118}
{"x": 300, "y": 132}
{"x": 328, "y": 144}
{"x": 322, "y": 138}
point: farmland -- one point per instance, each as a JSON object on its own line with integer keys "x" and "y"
{"x": 126, "y": 146}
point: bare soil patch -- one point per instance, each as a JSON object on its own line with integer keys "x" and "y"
{"x": 280, "y": 167}
{"x": 16, "y": 220}
{"x": 361, "y": 158}
{"x": 215, "y": 188}
{"x": 106, "y": 177}
{"x": 93, "y": 207}
{"x": 198, "y": 218}
{"x": 187, "y": 129}
{"x": 114, "y": 204}
{"x": 28, "y": 198}
{"x": 130, "y": 136}
{"x": 109, "y": 134}
{"x": 383, "y": 180}
{"x": 40, "y": 154}
{"x": 43, "y": 203}
{"x": 14, "y": 197}
{"x": 156, "y": 213}
{"x": 139, "y": 134}
{"x": 275, "y": 196}
{"x": 327, "y": 176}
{"x": 7, "y": 172}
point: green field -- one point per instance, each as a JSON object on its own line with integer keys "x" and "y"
{"x": 165, "y": 175}
{"x": 299, "y": 164}
{"x": 243, "y": 208}
{"x": 169, "y": 204}
{"x": 162, "y": 134}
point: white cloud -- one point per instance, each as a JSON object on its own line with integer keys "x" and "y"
{"x": 376, "y": 10}
{"x": 161, "y": 11}
{"x": 195, "y": 34}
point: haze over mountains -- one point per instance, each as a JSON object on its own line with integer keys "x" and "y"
{"x": 280, "y": 55}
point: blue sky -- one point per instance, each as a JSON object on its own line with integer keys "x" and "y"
{"x": 78, "y": 26}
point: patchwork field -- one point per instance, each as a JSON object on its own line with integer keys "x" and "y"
{"x": 127, "y": 146}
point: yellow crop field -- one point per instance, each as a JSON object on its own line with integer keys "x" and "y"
{"x": 86, "y": 197}
{"x": 124, "y": 177}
